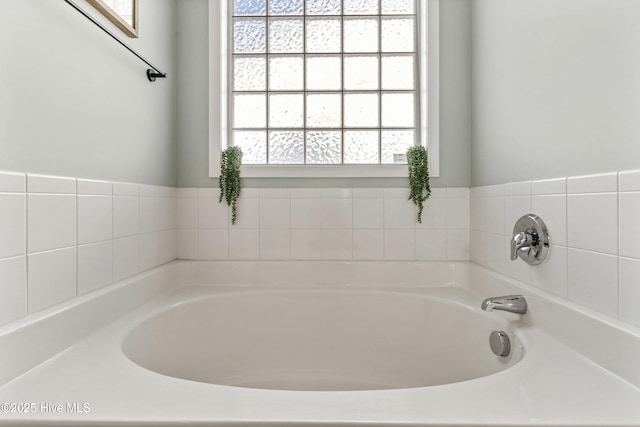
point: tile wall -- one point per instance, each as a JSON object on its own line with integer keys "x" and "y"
{"x": 594, "y": 224}
{"x": 330, "y": 223}
{"x": 65, "y": 237}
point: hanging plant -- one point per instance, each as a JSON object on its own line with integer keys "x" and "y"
{"x": 230, "y": 179}
{"x": 418, "y": 177}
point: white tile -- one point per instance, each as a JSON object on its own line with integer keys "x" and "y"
{"x": 306, "y": 213}
{"x": 552, "y": 209}
{"x": 50, "y": 184}
{"x": 476, "y": 213}
{"x": 213, "y": 244}
{"x": 514, "y": 208}
{"x": 248, "y": 213}
{"x": 458, "y": 211}
{"x": 187, "y": 212}
{"x": 549, "y": 186}
{"x": 13, "y": 289}
{"x": 187, "y": 245}
{"x": 275, "y": 193}
{"x": 126, "y": 216}
{"x": 51, "y": 278}
{"x": 95, "y": 218}
{"x": 306, "y": 244}
{"x": 458, "y": 245}
{"x": 629, "y": 180}
{"x": 13, "y": 217}
{"x": 399, "y": 213}
{"x": 496, "y": 252}
{"x": 368, "y": 244}
{"x": 368, "y": 213}
{"x": 477, "y": 246}
{"x": 431, "y": 245}
{"x": 250, "y": 193}
{"x": 399, "y": 244}
{"x": 275, "y": 244}
{"x": 551, "y": 275}
{"x": 489, "y": 191}
{"x": 600, "y": 183}
{"x": 244, "y": 244}
{"x": 212, "y": 214}
{"x": 11, "y": 182}
{"x": 458, "y": 192}
{"x": 363, "y": 193}
{"x": 337, "y": 193}
{"x": 630, "y": 291}
{"x": 434, "y": 214}
{"x": 438, "y": 193}
{"x": 518, "y": 269}
{"x": 494, "y": 215}
{"x": 150, "y": 214}
{"x": 89, "y": 187}
{"x": 592, "y": 222}
{"x": 518, "y": 189}
{"x": 168, "y": 213}
{"x": 212, "y": 193}
{"x": 150, "y": 250}
{"x": 306, "y": 193}
{"x": 275, "y": 213}
{"x": 153, "y": 191}
{"x": 168, "y": 245}
{"x": 396, "y": 193}
{"x": 126, "y": 189}
{"x": 126, "y": 257}
{"x": 51, "y": 222}
{"x": 337, "y": 244}
{"x": 337, "y": 213}
{"x": 630, "y": 225}
{"x": 593, "y": 280}
{"x": 182, "y": 193}
{"x": 95, "y": 266}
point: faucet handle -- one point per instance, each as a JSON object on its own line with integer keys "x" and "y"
{"x": 530, "y": 240}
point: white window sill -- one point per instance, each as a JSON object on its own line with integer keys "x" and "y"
{"x": 324, "y": 171}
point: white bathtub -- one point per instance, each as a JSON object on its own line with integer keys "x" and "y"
{"x": 317, "y": 343}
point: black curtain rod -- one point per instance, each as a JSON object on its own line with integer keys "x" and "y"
{"x": 152, "y": 74}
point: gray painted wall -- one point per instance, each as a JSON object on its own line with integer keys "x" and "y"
{"x": 556, "y": 88}
{"x": 75, "y": 103}
{"x": 455, "y": 103}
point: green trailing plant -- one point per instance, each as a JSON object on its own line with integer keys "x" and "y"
{"x": 230, "y": 179}
{"x": 418, "y": 177}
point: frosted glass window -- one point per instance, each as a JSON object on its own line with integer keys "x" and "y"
{"x": 324, "y": 35}
{"x": 286, "y": 73}
{"x": 324, "y": 147}
{"x": 249, "y": 35}
{"x": 361, "y": 147}
{"x": 324, "y": 82}
{"x": 324, "y": 110}
{"x": 324, "y": 73}
{"x": 249, "y": 73}
{"x": 286, "y": 147}
{"x": 361, "y": 72}
{"x": 360, "y": 34}
{"x": 253, "y": 145}
{"x": 398, "y": 72}
{"x": 285, "y": 110}
{"x": 324, "y": 7}
{"x": 286, "y": 35}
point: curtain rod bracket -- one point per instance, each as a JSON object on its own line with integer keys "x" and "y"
{"x": 152, "y": 75}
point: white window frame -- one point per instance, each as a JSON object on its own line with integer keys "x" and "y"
{"x": 429, "y": 104}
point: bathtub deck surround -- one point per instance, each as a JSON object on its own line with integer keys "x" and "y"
{"x": 555, "y": 376}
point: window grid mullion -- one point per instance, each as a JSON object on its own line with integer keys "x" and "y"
{"x": 379, "y": 81}
{"x": 268, "y": 82}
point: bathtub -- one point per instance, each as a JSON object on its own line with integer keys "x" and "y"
{"x": 317, "y": 343}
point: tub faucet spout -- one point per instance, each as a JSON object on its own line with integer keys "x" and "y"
{"x": 511, "y": 303}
